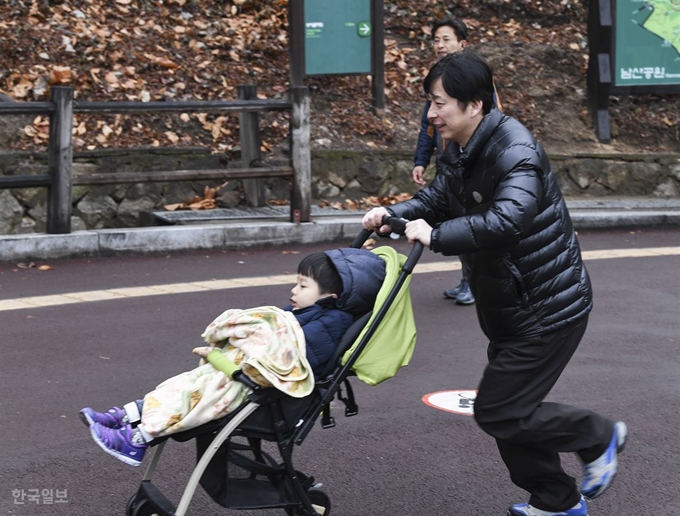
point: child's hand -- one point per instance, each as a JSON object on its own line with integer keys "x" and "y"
{"x": 202, "y": 351}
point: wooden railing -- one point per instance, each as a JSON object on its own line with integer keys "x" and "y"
{"x": 59, "y": 179}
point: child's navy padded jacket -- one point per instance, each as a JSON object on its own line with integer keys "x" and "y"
{"x": 325, "y": 322}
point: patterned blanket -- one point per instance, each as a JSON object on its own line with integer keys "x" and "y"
{"x": 266, "y": 342}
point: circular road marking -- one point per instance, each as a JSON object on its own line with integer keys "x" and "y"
{"x": 459, "y": 402}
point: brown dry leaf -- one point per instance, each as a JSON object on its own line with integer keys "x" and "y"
{"x": 26, "y": 265}
{"x": 209, "y": 193}
{"x": 350, "y": 205}
{"x": 290, "y": 252}
{"x": 173, "y": 207}
{"x": 61, "y": 75}
{"x": 166, "y": 63}
{"x": 369, "y": 244}
{"x": 45, "y": 267}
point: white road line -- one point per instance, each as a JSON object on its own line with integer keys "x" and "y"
{"x": 259, "y": 281}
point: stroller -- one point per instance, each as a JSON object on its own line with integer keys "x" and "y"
{"x": 235, "y": 441}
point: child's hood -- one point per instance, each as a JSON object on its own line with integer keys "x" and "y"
{"x": 362, "y": 274}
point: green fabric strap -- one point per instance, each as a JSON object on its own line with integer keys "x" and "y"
{"x": 220, "y": 362}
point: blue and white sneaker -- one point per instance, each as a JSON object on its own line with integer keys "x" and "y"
{"x": 125, "y": 444}
{"x": 113, "y": 418}
{"x": 525, "y": 509}
{"x": 599, "y": 474}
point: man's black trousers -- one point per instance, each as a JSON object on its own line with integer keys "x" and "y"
{"x": 529, "y": 432}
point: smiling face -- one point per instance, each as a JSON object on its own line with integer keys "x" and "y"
{"x": 455, "y": 121}
{"x": 306, "y": 292}
{"x": 445, "y": 42}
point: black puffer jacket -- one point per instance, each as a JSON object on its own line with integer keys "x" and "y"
{"x": 499, "y": 203}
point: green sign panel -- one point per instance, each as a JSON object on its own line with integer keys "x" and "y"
{"x": 647, "y": 43}
{"x": 337, "y": 37}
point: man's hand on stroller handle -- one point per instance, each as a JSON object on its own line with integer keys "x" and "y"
{"x": 378, "y": 219}
{"x": 419, "y": 231}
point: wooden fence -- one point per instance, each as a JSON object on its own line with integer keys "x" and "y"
{"x": 59, "y": 180}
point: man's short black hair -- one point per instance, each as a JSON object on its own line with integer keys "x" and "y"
{"x": 466, "y": 76}
{"x": 320, "y": 268}
{"x": 458, "y": 26}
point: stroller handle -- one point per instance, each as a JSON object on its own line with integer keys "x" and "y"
{"x": 397, "y": 226}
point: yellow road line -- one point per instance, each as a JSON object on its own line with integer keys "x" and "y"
{"x": 260, "y": 281}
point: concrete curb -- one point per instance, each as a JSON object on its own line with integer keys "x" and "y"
{"x": 107, "y": 242}
{"x": 237, "y": 233}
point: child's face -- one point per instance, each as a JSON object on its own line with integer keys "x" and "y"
{"x": 305, "y": 293}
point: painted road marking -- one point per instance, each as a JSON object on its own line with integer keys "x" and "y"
{"x": 457, "y": 402}
{"x": 259, "y": 281}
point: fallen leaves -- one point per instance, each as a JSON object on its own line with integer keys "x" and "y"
{"x": 365, "y": 203}
{"x": 131, "y": 50}
{"x": 32, "y": 265}
{"x": 207, "y": 201}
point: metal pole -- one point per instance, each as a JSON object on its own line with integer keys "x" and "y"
{"x": 378, "y": 56}
{"x": 296, "y": 39}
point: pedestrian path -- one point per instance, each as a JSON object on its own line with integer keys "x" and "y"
{"x": 261, "y": 281}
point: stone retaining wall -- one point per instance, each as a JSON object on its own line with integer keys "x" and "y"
{"x": 336, "y": 175}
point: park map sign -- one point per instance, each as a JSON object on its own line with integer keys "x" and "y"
{"x": 647, "y": 50}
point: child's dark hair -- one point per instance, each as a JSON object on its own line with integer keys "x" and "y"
{"x": 320, "y": 268}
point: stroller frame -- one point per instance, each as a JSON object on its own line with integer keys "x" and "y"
{"x": 286, "y": 423}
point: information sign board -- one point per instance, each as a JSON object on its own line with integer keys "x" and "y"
{"x": 337, "y": 37}
{"x": 647, "y": 43}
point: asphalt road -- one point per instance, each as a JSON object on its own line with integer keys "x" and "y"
{"x": 398, "y": 456}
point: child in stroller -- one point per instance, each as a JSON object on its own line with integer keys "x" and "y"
{"x": 232, "y": 466}
{"x": 331, "y": 289}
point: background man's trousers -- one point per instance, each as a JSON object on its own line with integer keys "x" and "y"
{"x": 529, "y": 433}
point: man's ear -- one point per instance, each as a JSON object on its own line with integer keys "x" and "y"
{"x": 476, "y": 107}
{"x": 463, "y": 43}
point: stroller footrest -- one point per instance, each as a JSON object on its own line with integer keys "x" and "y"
{"x": 157, "y": 500}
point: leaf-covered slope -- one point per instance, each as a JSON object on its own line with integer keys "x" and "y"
{"x": 202, "y": 50}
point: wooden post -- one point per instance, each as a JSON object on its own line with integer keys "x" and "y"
{"x": 60, "y": 161}
{"x": 250, "y": 147}
{"x": 300, "y": 152}
{"x": 378, "y": 56}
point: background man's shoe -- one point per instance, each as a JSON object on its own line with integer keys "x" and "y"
{"x": 452, "y": 293}
{"x": 465, "y": 296}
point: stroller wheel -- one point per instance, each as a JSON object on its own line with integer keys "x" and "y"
{"x": 320, "y": 501}
{"x": 140, "y": 507}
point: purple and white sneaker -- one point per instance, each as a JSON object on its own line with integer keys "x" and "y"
{"x": 125, "y": 444}
{"x": 113, "y": 418}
